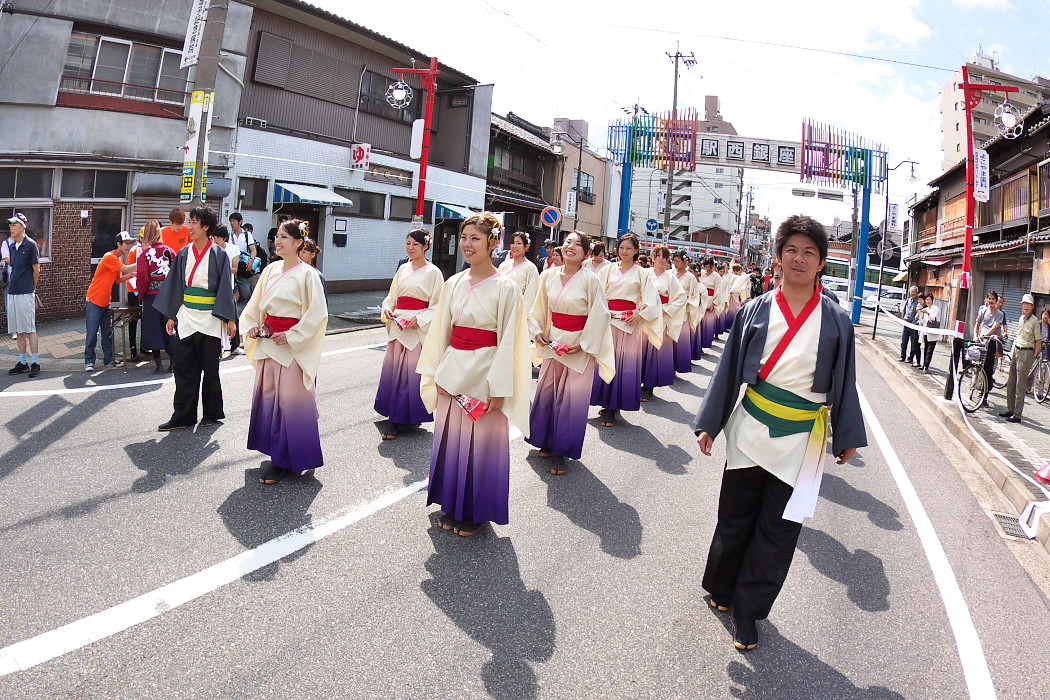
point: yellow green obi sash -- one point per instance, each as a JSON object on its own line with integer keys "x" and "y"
{"x": 785, "y": 413}
{"x": 197, "y": 298}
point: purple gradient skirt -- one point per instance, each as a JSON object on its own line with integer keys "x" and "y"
{"x": 658, "y": 365}
{"x": 708, "y": 324}
{"x": 624, "y": 393}
{"x": 284, "y": 418}
{"x": 398, "y": 395}
{"x": 470, "y": 464}
{"x": 698, "y": 344}
{"x": 683, "y": 349}
{"x": 734, "y": 309}
{"x": 558, "y": 419}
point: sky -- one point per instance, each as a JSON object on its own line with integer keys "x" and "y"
{"x": 591, "y": 60}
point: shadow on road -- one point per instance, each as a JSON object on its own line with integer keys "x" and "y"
{"x": 636, "y": 440}
{"x": 410, "y": 452}
{"x": 256, "y": 513}
{"x": 779, "y": 669}
{"x": 838, "y": 490}
{"x": 671, "y": 410}
{"x": 476, "y": 582}
{"x": 860, "y": 571}
{"x": 176, "y": 454}
{"x": 588, "y": 503}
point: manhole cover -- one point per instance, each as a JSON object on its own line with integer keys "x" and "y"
{"x": 1010, "y": 526}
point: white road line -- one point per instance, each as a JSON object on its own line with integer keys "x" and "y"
{"x": 971, "y": 653}
{"x": 49, "y": 645}
{"x": 166, "y": 380}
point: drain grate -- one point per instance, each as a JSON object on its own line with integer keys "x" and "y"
{"x": 1010, "y": 526}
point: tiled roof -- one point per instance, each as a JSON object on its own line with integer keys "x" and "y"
{"x": 514, "y": 197}
{"x": 521, "y": 134}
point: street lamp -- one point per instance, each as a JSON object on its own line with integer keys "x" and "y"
{"x": 399, "y": 95}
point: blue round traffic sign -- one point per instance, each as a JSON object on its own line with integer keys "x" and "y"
{"x": 550, "y": 216}
{"x": 652, "y": 225}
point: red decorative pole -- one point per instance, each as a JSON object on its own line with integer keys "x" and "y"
{"x": 429, "y": 79}
{"x": 972, "y": 94}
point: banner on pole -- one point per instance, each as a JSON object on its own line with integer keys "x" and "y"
{"x": 982, "y": 184}
{"x": 570, "y": 203}
{"x": 893, "y": 217}
{"x": 660, "y": 202}
{"x": 191, "y": 47}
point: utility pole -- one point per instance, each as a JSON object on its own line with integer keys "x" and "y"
{"x": 690, "y": 60}
{"x": 747, "y": 225}
{"x": 204, "y": 90}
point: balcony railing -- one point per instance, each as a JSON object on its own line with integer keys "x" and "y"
{"x": 1043, "y": 203}
{"x": 1013, "y": 199}
{"x": 952, "y": 231}
{"x": 127, "y": 91}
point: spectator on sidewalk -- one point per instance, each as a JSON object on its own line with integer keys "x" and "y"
{"x": 271, "y": 237}
{"x": 134, "y": 299}
{"x": 910, "y": 336}
{"x": 309, "y": 255}
{"x": 929, "y": 317}
{"x": 110, "y": 271}
{"x": 249, "y": 252}
{"x": 1044, "y": 330}
{"x": 23, "y": 257}
{"x": 153, "y": 265}
{"x": 221, "y": 236}
{"x": 989, "y": 321}
{"x": 177, "y": 235}
{"x": 1026, "y": 347}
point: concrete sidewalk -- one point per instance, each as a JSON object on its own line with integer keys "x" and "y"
{"x": 62, "y": 342}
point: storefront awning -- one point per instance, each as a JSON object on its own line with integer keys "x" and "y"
{"x": 901, "y": 277}
{"x": 284, "y": 192}
{"x": 452, "y": 211}
{"x": 936, "y": 262}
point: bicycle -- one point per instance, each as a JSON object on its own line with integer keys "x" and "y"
{"x": 1038, "y": 375}
{"x": 973, "y": 382}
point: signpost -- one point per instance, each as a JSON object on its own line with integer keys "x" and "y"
{"x": 191, "y": 46}
{"x": 651, "y": 225}
{"x": 550, "y": 216}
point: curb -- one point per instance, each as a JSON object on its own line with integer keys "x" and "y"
{"x": 1008, "y": 482}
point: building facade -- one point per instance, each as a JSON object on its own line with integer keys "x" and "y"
{"x": 982, "y": 69}
{"x": 94, "y": 113}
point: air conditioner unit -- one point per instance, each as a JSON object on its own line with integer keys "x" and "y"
{"x": 255, "y": 121}
{"x": 534, "y": 221}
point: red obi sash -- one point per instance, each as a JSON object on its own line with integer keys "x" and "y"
{"x": 568, "y": 322}
{"x": 710, "y": 292}
{"x": 664, "y": 299}
{"x": 622, "y": 305}
{"x": 467, "y": 338}
{"x": 280, "y": 324}
{"x": 411, "y": 304}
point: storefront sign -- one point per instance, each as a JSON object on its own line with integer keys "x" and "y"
{"x": 360, "y": 153}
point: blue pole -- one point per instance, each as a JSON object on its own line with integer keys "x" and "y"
{"x": 624, "y": 223}
{"x": 862, "y": 244}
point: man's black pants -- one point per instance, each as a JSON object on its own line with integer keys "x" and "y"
{"x": 753, "y": 545}
{"x": 914, "y": 355}
{"x": 197, "y": 375}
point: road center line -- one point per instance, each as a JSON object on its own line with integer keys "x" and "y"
{"x": 971, "y": 653}
{"x": 88, "y": 630}
{"x": 166, "y": 380}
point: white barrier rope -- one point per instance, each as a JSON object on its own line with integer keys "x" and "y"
{"x": 922, "y": 329}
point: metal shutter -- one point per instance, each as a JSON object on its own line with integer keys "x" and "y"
{"x": 1012, "y": 284}
{"x": 145, "y": 207}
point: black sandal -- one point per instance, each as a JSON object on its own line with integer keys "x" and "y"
{"x": 391, "y": 432}
{"x": 558, "y": 471}
{"x": 446, "y": 522}
{"x": 609, "y": 419}
{"x": 545, "y": 453}
{"x": 272, "y": 475}
{"x": 467, "y": 529}
{"x": 718, "y": 606}
{"x": 745, "y": 634}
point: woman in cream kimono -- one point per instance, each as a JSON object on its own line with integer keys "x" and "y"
{"x": 286, "y": 318}
{"x": 658, "y": 362}
{"x": 683, "y": 345}
{"x": 739, "y": 291}
{"x": 476, "y": 378}
{"x": 634, "y": 307}
{"x": 709, "y": 286}
{"x": 407, "y": 310}
{"x": 722, "y": 298}
{"x": 520, "y": 270}
{"x": 571, "y": 326}
{"x": 702, "y": 303}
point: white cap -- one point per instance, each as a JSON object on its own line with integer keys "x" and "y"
{"x": 1028, "y": 299}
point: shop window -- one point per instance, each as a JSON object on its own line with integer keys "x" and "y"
{"x": 106, "y": 224}
{"x": 402, "y": 208}
{"x": 25, "y": 183}
{"x": 366, "y": 204}
{"x": 94, "y": 184}
{"x": 253, "y": 193}
{"x": 39, "y": 228}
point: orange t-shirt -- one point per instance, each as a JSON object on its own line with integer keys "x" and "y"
{"x": 133, "y": 256}
{"x": 176, "y": 240}
{"x": 100, "y": 293}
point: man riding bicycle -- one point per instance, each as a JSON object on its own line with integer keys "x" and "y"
{"x": 989, "y": 321}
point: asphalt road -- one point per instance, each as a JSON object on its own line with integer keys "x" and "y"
{"x": 592, "y": 590}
